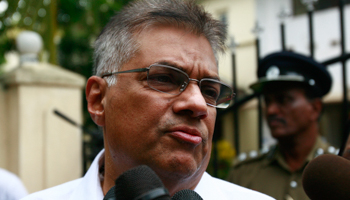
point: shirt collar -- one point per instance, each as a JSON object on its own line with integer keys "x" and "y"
{"x": 90, "y": 185}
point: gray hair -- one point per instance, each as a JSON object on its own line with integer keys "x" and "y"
{"x": 117, "y": 43}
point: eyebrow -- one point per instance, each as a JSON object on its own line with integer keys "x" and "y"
{"x": 163, "y": 62}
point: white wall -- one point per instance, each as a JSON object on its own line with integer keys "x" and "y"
{"x": 241, "y": 20}
{"x": 38, "y": 146}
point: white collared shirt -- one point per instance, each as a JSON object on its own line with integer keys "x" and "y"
{"x": 11, "y": 187}
{"x": 89, "y": 188}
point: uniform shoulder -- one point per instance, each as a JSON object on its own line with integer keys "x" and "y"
{"x": 329, "y": 149}
{"x": 323, "y": 147}
{"x": 252, "y": 157}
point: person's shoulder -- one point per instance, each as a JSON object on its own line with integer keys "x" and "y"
{"x": 11, "y": 185}
{"x": 322, "y": 146}
{"x": 248, "y": 164}
{"x": 8, "y": 177}
{"x": 252, "y": 158}
{"x": 59, "y": 192}
{"x": 226, "y": 190}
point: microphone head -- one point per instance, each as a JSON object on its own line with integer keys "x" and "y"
{"x": 186, "y": 195}
{"x": 327, "y": 177}
{"x": 110, "y": 194}
{"x": 140, "y": 183}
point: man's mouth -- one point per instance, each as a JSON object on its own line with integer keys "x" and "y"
{"x": 186, "y": 134}
{"x": 276, "y": 121}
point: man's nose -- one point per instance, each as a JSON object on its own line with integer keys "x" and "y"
{"x": 191, "y": 102}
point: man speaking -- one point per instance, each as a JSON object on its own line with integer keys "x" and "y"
{"x": 155, "y": 93}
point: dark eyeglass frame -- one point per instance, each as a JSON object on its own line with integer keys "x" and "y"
{"x": 146, "y": 69}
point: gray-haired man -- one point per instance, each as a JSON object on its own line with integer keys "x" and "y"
{"x": 155, "y": 93}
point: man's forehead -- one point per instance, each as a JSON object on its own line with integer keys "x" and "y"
{"x": 282, "y": 89}
{"x": 209, "y": 72}
{"x": 176, "y": 47}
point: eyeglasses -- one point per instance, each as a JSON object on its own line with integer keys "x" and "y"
{"x": 173, "y": 81}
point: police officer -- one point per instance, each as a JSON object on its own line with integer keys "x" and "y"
{"x": 292, "y": 86}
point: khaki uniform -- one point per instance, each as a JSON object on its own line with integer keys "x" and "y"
{"x": 269, "y": 173}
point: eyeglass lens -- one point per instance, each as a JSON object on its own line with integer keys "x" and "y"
{"x": 173, "y": 81}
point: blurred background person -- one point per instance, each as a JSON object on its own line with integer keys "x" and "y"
{"x": 11, "y": 187}
{"x": 346, "y": 152}
{"x": 292, "y": 86}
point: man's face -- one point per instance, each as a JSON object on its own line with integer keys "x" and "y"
{"x": 288, "y": 111}
{"x": 170, "y": 133}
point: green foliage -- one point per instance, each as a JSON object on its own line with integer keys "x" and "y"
{"x": 68, "y": 27}
{"x": 6, "y": 44}
{"x": 80, "y": 22}
{"x": 221, "y": 159}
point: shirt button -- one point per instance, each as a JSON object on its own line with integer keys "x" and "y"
{"x": 293, "y": 184}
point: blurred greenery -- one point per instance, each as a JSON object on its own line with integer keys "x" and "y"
{"x": 68, "y": 28}
{"x": 225, "y": 155}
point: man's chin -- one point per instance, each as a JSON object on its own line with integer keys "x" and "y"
{"x": 281, "y": 135}
{"x": 180, "y": 168}
{"x": 276, "y": 133}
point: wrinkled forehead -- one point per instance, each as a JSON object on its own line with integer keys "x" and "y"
{"x": 188, "y": 28}
{"x": 176, "y": 47}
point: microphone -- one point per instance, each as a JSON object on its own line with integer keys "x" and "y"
{"x": 140, "y": 183}
{"x": 327, "y": 177}
{"x": 110, "y": 194}
{"x": 186, "y": 195}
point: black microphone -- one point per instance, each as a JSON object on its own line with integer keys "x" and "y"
{"x": 140, "y": 183}
{"x": 186, "y": 195}
{"x": 110, "y": 194}
{"x": 327, "y": 177}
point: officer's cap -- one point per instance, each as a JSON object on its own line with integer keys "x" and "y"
{"x": 291, "y": 67}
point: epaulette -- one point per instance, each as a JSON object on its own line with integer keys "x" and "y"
{"x": 269, "y": 152}
{"x": 329, "y": 150}
{"x": 246, "y": 157}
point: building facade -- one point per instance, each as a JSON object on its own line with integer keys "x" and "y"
{"x": 249, "y": 20}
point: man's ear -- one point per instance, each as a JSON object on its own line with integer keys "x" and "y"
{"x": 95, "y": 94}
{"x": 346, "y": 152}
{"x": 317, "y": 106}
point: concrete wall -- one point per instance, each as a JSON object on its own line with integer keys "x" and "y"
{"x": 41, "y": 148}
{"x": 3, "y": 126}
{"x": 241, "y": 20}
